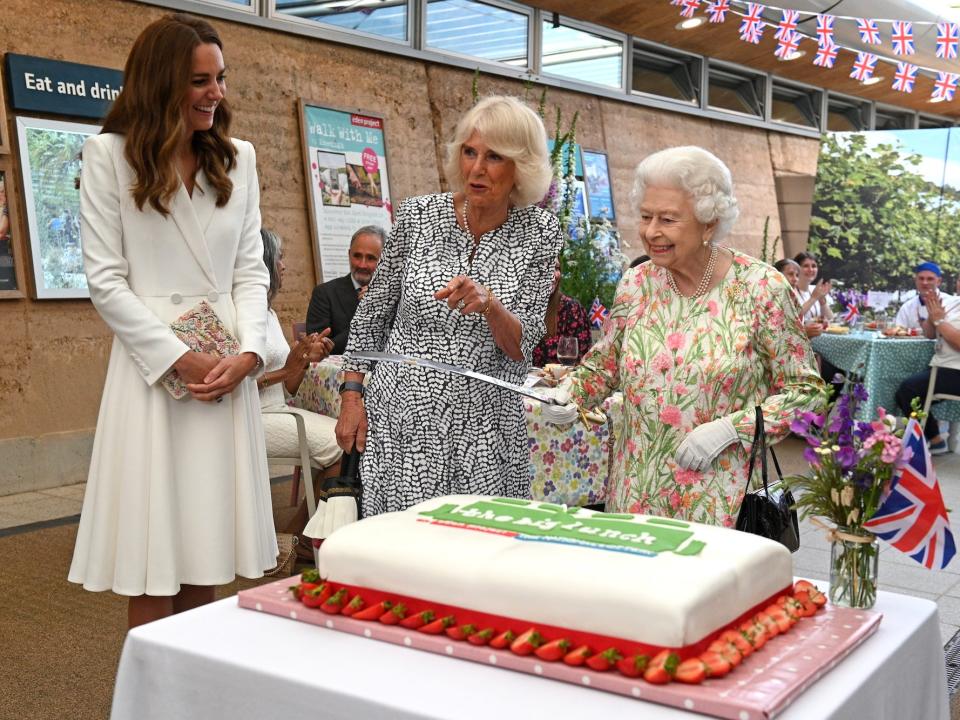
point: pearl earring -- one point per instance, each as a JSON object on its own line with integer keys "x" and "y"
{"x": 706, "y": 242}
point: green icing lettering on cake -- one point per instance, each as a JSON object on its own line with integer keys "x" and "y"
{"x": 611, "y": 531}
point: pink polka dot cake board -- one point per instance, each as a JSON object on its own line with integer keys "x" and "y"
{"x": 761, "y": 687}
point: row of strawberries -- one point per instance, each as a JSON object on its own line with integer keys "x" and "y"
{"x": 722, "y": 655}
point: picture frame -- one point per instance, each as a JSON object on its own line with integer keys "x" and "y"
{"x": 596, "y": 176}
{"x": 50, "y": 170}
{"x": 11, "y": 245}
{"x": 346, "y": 177}
{"x": 4, "y": 129}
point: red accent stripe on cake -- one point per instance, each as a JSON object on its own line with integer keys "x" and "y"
{"x": 501, "y": 623}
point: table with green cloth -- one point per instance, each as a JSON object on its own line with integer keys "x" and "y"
{"x": 883, "y": 363}
{"x": 568, "y": 463}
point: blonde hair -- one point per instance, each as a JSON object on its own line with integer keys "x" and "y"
{"x": 512, "y": 130}
{"x": 699, "y": 173}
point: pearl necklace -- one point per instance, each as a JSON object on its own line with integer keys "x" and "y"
{"x": 466, "y": 224}
{"x": 704, "y": 281}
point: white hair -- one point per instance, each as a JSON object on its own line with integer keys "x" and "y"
{"x": 699, "y": 173}
{"x": 512, "y": 130}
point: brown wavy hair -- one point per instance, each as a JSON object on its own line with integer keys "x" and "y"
{"x": 147, "y": 111}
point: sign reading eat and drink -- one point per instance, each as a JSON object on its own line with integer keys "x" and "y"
{"x": 61, "y": 88}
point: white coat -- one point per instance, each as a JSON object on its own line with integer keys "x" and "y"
{"x": 178, "y": 490}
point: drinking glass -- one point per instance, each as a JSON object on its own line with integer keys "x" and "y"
{"x": 568, "y": 350}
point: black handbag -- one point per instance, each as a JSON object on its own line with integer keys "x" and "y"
{"x": 347, "y": 484}
{"x": 769, "y": 512}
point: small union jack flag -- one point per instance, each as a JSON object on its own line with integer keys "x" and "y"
{"x": 826, "y": 56}
{"x": 788, "y": 24}
{"x": 864, "y": 66}
{"x": 690, "y": 7}
{"x": 945, "y": 86}
{"x": 787, "y": 45}
{"x": 905, "y": 77}
{"x": 851, "y": 315}
{"x": 598, "y": 313}
{"x": 751, "y": 27}
{"x": 676, "y": 2}
{"x": 869, "y": 32}
{"x": 824, "y": 30}
{"x": 948, "y": 37}
{"x": 901, "y": 36}
{"x": 912, "y": 516}
{"x": 717, "y": 10}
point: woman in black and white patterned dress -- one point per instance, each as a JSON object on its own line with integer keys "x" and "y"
{"x": 463, "y": 279}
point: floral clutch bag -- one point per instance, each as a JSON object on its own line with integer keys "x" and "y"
{"x": 202, "y": 331}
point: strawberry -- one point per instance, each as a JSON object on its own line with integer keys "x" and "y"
{"x": 310, "y": 576}
{"x": 716, "y": 665}
{"x": 356, "y": 603}
{"x": 435, "y": 627}
{"x": 793, "y": 607}
{"x": 768, "y": 623}
{"x": 334, "y": 603}
{"x": 300, "y": 588}
{"x": 780, "y": 617}
{"x": 462, "y": 632}
{"x": 482, "y": 637}
{"x": 739, "y": 640}
{"x": 526, "y": 642}
{"x": 818, "y": 598}
{"x": 633, "y": 666}
{"x": 418, "y": 620}
{"x": 503, "y": 640}
{"x": 394, "y": 615}
{"x": 578, "y": 656}
{"x": 315, "y": 597}
{"x": 605, "y": 660}
{"x": 731, "y": 655}
{"x": 553, "y": 650}
{"x": 692, "y": 671}
{"x": 373, "y": 612}
{"x": 809, "y": 608}
{"x": 803, "y": 585}
{"x": 665, "y": 660}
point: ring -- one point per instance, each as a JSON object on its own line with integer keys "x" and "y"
{"x": 461, "y": 305}
{"x": 305, "y": 356}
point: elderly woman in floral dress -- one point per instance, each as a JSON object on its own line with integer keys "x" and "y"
{"x": 696, "y": 338}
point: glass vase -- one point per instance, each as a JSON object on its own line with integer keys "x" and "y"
{"x": 854, "y": 556}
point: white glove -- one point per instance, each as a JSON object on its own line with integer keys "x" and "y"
{"x": 331, "y": 514}
{"x": 704, "y": 443}
{"x": 565, "y": 410}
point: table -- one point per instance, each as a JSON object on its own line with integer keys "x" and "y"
{"x": 221, "y": 661}
{"x": 568, "y": 464}
{"x": 883, "y": 363}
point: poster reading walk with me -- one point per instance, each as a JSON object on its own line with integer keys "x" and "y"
{"x": 346, "y": 167}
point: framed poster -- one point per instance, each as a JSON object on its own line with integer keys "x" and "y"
{"x": 11, "y": 267}
{"x": 596, "y": 175}
{"x": 345, "y": 163}
{"x": 50, "y": 163}
{"x": 4, "y": 136}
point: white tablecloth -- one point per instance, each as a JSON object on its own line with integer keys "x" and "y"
{"x": 222, "y": 661}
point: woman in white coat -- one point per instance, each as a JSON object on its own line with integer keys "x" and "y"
{"x": 178, "y": 497}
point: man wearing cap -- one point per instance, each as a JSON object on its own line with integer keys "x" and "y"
{"x": 927, "y": 277}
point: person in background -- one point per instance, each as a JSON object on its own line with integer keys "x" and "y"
{"x": 926, "y": 278}
{"x": 284, "y": 371}
{"x": 464, "y": 279}
{"x": 565, "y": 318}
{"x": 814, "y": 296}
{"x": 178, "y": 494}
{"x": 696, "y": 338}
{"x": 334, "y": 303}
{"x": 791, "y": 271}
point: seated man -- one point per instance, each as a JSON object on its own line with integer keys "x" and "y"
{"x": 927, "y": 278}
{"x": 942, "y": 321}
{"x": 334, "y": 302}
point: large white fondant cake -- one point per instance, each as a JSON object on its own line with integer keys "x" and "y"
{"x": 642, "y": 579}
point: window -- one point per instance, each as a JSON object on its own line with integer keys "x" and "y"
{"x": 846, "y": 115}
{"x": 928, "y": 122}
{"x": 795, "y": 105}
{"x": 889, "y": 119}
{"x": 384, "y": 18}
{"x": 580, "y": 55}
{"x": 735, "y": 91}
{"x": 478, "y": 29}
{"x": 657, "y": 71}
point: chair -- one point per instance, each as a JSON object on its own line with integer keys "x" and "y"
{"x": 297, "y": 329}
{"x": 932, "y": 397}
{"x": 303, "y": 461}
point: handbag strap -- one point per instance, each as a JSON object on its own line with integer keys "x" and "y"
{"x": 759, "y": 446}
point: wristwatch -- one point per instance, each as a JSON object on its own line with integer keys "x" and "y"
{"x": 936, "y": 323}
{"x": 351, "y": 385}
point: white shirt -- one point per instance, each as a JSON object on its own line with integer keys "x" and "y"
{"x": 912, "y": 313}
{"x": 945, "y": 354}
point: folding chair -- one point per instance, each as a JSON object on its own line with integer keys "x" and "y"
{"x": 933, "y": 397}
{"x": 297, "y": 329}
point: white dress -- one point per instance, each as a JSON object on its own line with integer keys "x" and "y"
{"x": 178, "y": 490}
{"x": 281, "y": 430}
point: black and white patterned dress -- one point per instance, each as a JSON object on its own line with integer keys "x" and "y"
{"x": 432, "y": 433}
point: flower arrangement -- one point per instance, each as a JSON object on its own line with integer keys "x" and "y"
{"x": 591, "y": 263}
{"x": 852, "y": 463}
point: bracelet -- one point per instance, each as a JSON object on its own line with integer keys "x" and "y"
{"x": 352, "y": 386}
{"x": 258, "y": 367}
{"x": 936, "y": 323}
{"x": 486, "y": 307}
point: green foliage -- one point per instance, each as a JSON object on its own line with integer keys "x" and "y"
{"x": 591, "y": 263}
{"x": 768, "y": 253}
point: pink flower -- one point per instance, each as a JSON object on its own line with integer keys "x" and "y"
{"x": 662, "y": 362}
{"x": 675, "y": 341}
{"x": 687, "y": 477}
{"x": 671, "y": 415}
{"x": 713, "y": 308}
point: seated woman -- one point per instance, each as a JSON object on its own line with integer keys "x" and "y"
{"x": 791, "y": 271}
{"x": 284, "y": 371}
{"x": 565, "y": 318}
{"x": 814, "y": 296}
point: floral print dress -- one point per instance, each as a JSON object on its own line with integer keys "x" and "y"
{"x": 681, "y": 362}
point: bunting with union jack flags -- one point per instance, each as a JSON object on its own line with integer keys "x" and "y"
{"x": 717, "y": 10}
{"x": 948, "y": 37}
{"x": 912, "y": 517}
{"x": 905, "y": 77}
{"x": 598, "y": 313}
{"x": 901, "y": 37}
{"x": 751, "y": 27}
{"x": 869, "y": 31}
{"x": 864, "y": 66}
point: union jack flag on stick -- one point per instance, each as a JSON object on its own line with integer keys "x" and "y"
{"x": 913, "y": 517}
{"x": 598, "y": 313}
